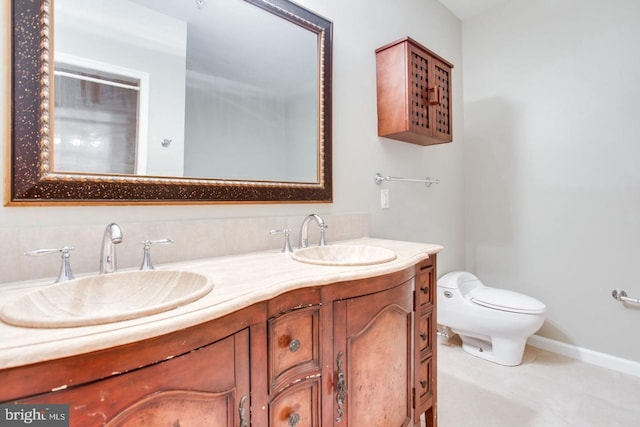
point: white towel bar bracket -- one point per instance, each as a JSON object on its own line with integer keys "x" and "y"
{"x": 621, "y": 295}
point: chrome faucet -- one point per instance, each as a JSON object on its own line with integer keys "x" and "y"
{"x": 112, "y": 236}
{"x": 304, "y": 230}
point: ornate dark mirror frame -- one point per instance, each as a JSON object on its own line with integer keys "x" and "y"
{"x": 27, "y": 166}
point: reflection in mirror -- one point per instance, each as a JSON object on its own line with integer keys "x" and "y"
{"x": 146, "y": 100}
{"x": 99, "y": 119}
{"x": 184, "y": 89}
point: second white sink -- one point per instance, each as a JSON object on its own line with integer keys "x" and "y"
{"x": 344, "y": 255}
{"x": 106, "y": 298}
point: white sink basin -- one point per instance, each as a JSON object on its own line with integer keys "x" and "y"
{"x": 344, "y": 255}
{"x": 106, "y": 298}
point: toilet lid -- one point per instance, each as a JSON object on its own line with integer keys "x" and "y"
{"x": 501, "y": 299}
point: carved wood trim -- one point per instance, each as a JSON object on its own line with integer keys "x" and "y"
{"x": 194, "y": 408}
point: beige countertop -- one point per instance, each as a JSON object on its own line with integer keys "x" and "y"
{"x": 239, "y": 281}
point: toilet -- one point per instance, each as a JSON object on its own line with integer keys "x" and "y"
{"x": 493, "y": 323}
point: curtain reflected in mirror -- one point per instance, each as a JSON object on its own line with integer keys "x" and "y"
{"x": 96, "y": 122}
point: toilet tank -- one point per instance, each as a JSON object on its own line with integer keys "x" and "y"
{"x": 462, "y": 280}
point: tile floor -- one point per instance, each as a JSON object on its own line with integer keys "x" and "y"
{"x": 546, "y": 390}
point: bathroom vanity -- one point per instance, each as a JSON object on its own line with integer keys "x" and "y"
{"x": 277, "y": 342}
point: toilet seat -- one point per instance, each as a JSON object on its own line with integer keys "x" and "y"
{"x": 502, "y": 299}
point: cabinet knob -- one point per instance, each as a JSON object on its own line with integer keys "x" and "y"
{"x": 294, "y": 345}
{"x": 423, "y": 384}
{"x": 294, "y": 419}
{"x": 424, "y": 336}
{"x": 425, "y": 290}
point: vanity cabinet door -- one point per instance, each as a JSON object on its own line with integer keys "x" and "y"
{"x": 373, "y": 360}
{"x": 208, "y": 386}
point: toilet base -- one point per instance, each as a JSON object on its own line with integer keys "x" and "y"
{"x": 507, "y": 352}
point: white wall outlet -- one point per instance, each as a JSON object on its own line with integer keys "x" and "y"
{"x": 384, "y": 198}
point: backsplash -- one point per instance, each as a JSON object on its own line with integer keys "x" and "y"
{"x": 193, "y": 239}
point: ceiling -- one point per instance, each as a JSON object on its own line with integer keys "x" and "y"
{"x": 465, "y": 9}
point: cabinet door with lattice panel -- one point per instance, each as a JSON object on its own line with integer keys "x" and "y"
{"x": 440, "y": 93}
{"x": 419, "y": 77}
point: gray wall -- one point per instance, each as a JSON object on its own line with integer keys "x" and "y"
{"x": 552, "y": 181}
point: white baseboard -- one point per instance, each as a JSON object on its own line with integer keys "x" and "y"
{"x": 604, "y": 360}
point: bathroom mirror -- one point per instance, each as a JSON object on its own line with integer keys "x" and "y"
{"x": 169, "y": 101}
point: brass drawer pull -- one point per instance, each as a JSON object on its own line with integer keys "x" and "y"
{"x": 294, "y": 419}
{"x": 294, "y": 345}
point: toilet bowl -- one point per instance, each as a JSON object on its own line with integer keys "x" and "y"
{"x": 493, "y": 323}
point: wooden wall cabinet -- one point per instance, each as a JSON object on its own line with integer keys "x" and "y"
{"x": 355, "y": 353}
{"x": 413, "y": 93}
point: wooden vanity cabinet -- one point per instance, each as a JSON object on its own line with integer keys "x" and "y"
{"x": 413, "y": 93}
{"x": 355, "y": 353}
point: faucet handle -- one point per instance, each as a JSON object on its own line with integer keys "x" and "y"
{"x": 287, "y": 242}
{"x": 65, "y": 268}
{"x": 146, "y": 259}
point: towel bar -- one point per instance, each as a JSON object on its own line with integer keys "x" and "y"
{"x": 378, "y": 179}
{"x": 621, "y": 295}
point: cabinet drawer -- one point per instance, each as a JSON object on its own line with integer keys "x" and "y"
{"x": 297, "y": 406}
{"x": 425, "y": 379}
{"x": 425, "y": 334}
{"x": 293, "y": 346}
{"x": 424, "y": 286}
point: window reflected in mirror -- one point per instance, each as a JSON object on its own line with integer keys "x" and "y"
{"x": 96, "y": 121}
